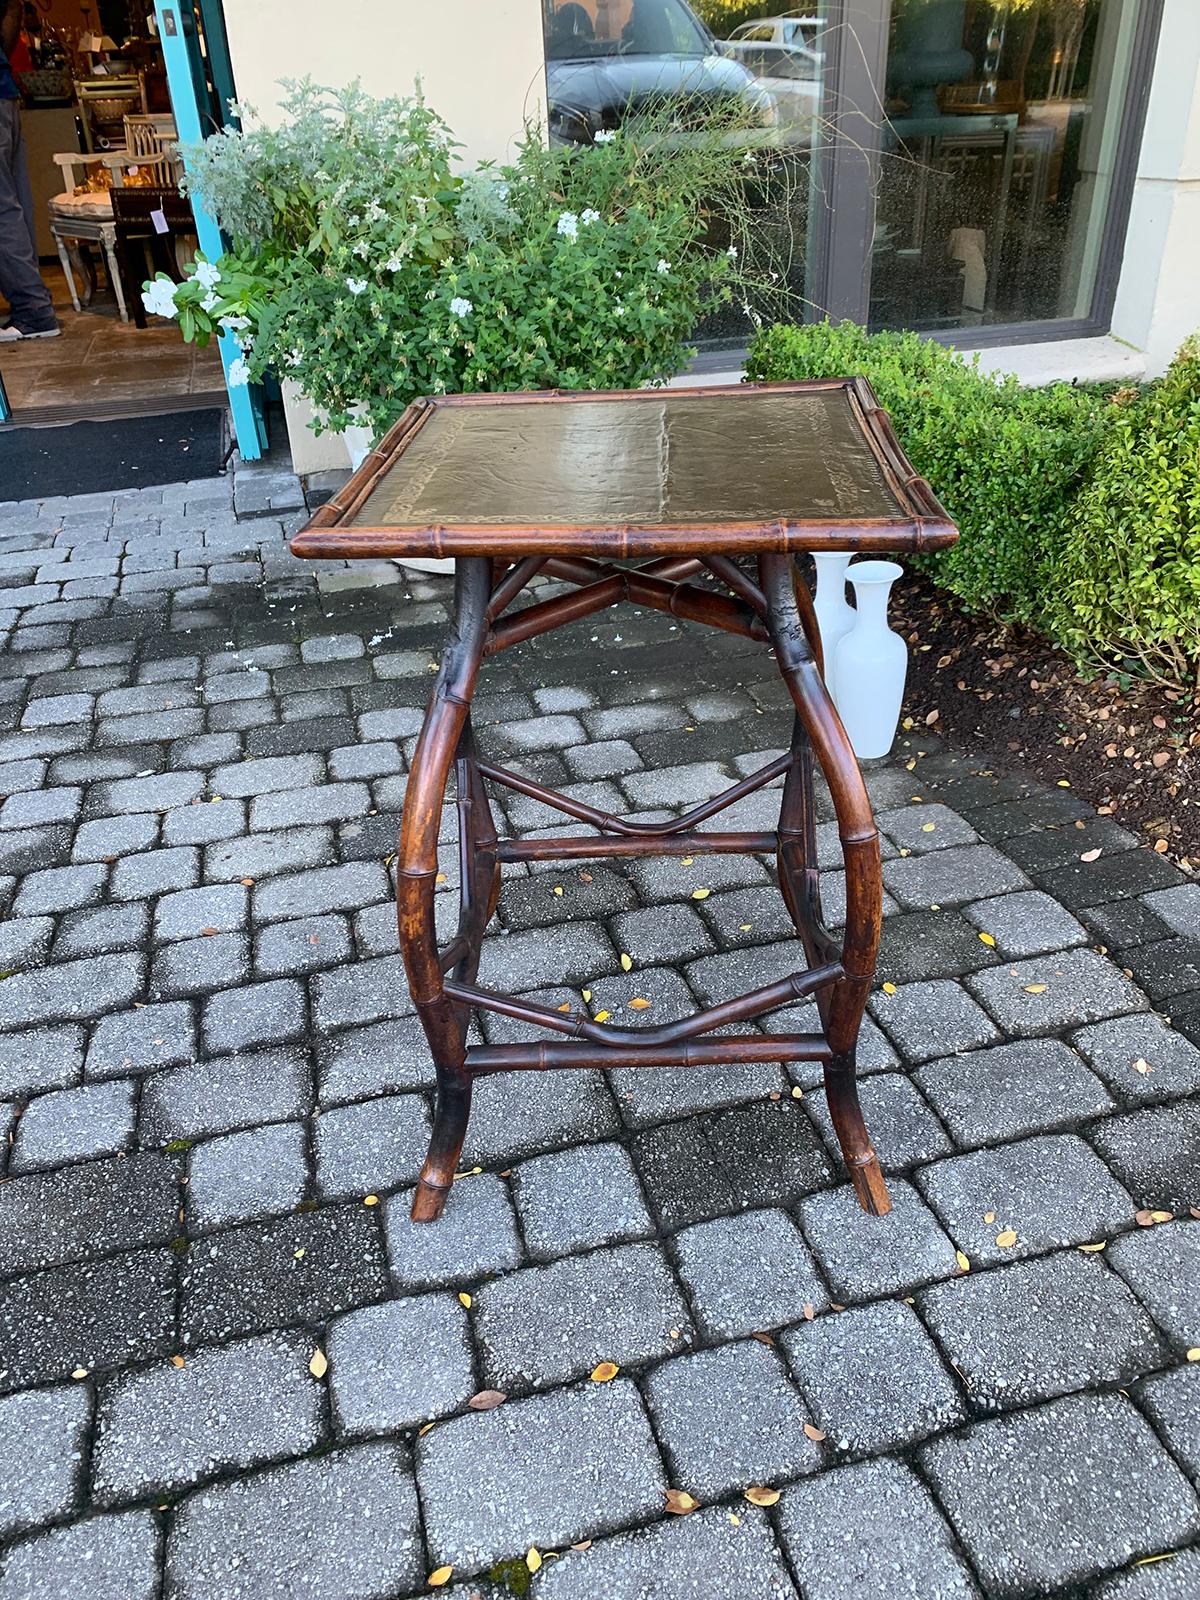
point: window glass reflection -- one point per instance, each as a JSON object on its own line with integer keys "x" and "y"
{"x": 998, "y": 149}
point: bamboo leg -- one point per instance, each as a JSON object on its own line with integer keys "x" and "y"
{"x": 843, "y": 1012}
{"x": 441, "y": 740}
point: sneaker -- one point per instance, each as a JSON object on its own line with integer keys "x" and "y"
{"x": 11, "y": 332}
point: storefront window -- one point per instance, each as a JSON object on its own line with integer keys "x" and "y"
{"x": 996, "y": 160}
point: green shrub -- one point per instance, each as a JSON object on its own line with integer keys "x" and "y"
{"x": 1006, "y": 462}
{"x": 1129, "y": 574}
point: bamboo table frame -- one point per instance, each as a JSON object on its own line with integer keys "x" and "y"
{"x": 457, "y": 490}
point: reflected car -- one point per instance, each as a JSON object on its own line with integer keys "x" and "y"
{"x": 610, "y": 57}
{"x": 791, "y": 75}
{"x": 789, "y": 33}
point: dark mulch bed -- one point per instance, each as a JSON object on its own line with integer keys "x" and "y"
{"x": 1124, "y": 746}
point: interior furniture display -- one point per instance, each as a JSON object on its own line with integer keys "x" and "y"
{"x": 148, "y": 223}
{"x": 633, "y": 497}
{"x": 83, "y": 212}
{"x": 46, "y": 130}
{"x": 104, "y": 102}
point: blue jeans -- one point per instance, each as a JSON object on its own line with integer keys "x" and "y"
{"x": 20, "y": 281}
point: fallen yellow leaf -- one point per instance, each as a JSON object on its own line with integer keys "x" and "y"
{"x": 928, "y": 827}
{"x": 701, "y": 894}
{"x": 586, "y": 993}
{"x": 370, "y": 1199}
{"x": 797, "y": 1093}
{"x": 605, "y": 1371}
{"x": 639, "y": 1003}
{"x": 1006, "y": 1238}
{"x": 986, "y": 938}
{"x": 317, "y": 1364}
{"x": 1194, "y": 1353}
{"x": 679, "y": 1502}
{"x": 687, "y": 860}
{"x": 889, "y": 988}
{"x": 989, "y": 1216}
{"x": 566, "y": 1006}
{"x": 735, "y": 1519}
{"x": 602, "y": 1016}
{"x": 464, "y": 1299}
{"x": 813, "y": 1432}
{"x": 626, "y": 962}
{"x": 424, "y": 1429}
{"x": 1063, "y": 784}
{"x": 962, "y": 1261}
{"x": 178, "y": 1361}
{"x": 80, "y": 1372}
{"x": 762, "y": 1496}
{"x": 1163, "y": 1216}
{"x": 439, "y": 1576}
{"x": 533, "y": 1559}
{"x": 744, "y": 927}
{"x": 1090, "y": 1249}
{"x": 1035, "y": 988}
{"x": 558, "y": 889}
{"x": 1141, "y": 1065}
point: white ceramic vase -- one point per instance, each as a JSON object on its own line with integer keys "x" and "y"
{"x": 359, "y": 441}
{"x": 835, "y": 614}
{"x": 871, "y": 663}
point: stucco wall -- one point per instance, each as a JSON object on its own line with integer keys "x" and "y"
{"x": 1158, "y": 302}
{"x": 480, "y": 63}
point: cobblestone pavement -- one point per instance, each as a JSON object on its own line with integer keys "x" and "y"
{"x": 218, "y": 1102}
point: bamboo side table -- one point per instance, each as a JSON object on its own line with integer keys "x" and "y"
{"x": 627, "y": 496}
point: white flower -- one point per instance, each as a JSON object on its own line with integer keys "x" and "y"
{"x": 238, "y": 375}
{"x": 460, "y": 307}
{"x": 159, "y": 298}
{"x": 568, "y": 224}
{"x": 211, "y": 301}
{"x": 663, "y": 267}
{"x": 620, "y": 309}
{"x": 356, "y": 285}
{"x": 294, "y": 358}
{"x": 362, "y": 249}
{"x": 233, "y": 324}
{"x": 393, "y": 264}
{"x": 207, "y": 275}
{"x": 603, "y": 136}
{"x": 589, "y": 217}
{"x": 732, "y": 252}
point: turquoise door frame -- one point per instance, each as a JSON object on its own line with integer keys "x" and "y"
{"x": 190, "y": 103}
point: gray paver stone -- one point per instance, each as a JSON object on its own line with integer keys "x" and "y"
{"x": 200, "y": 966}
{"x": 573, "y": 952}
{"x": 1172, "y": 1400}
{"x": 1051, "y": 1191}
{"x": 42, "y": 1436}
{"x": 374, "y": 1144}
{"x": 748, "y": 1273}
{"x": 135, "y": 1041}
{"x": 74, "y": 1125}
{"x": 25, "y": 942}
{"x": 266, "y": 774}
{"x": 698, "y": 1557}
{"x": 189, "y": 912}
{"x": 922, "y": 828}
{"x": 154, "y": 872}
{"x": 301, "y": 1268}
{"x": 873, "y": 1377}
{"x": 70, "y": 990}
{"x": 1162, "y": 1267}
{"x": 47, "y": 1058}
{"x": 903, "y": 1129}
{"x": 343, "y": 1526}
{"x": 237, "y": 1405}
{"x": 1072, "y": 988}
{"x": 476, "y": 1235}
{"x": 259, "y": 1173}
{"x": 579, "y": 1198}
{"x": 258, "y": 1014}
{"x": 94, "y": 1314}
{"x": 399, "y": 1364}
{"x": 1027, "y": 924}
{"x": 902, "y": 1549}
{"x": 864, "y": 1257}
{"x": 60, "y": 889}
{"x": 542, "y": 1474}
{"x": 951, "y": 877}
{"x": 550, "y": 1324}
{"x": 1041, "y": 1328}
{"x": 365, "y": 991}
{"x": 373, "y": 1060}
{"x": 1155, "y": 1153}
{"x": 1084, "y": 1479}
{"x": 207, "y": 1097}
{"x": 516, "y": 1114}
{"x": 1178, "y": 907}
{"x": 115, "y": 836}
{"x": 104, "y": 1558}
{"x": 927, "y": 1019}
{"x": 1114, "y": 1048}
{"x": 305, "y": 946}
{"x": 102, "y": 928}
{"x": 47, "y": 1218}
{"x": 1030, "y": 1086}
{"x": 729, "y": 1418}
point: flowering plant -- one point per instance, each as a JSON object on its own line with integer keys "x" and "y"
{"x": 366, "y": 269}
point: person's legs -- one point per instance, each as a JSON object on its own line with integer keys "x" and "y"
{"x": 20, "y": 281}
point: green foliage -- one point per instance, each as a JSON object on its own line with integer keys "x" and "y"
{"x": 1130, "y": 565}
{"x": 1005, "y": 461}
{"x": 365, "y": 269}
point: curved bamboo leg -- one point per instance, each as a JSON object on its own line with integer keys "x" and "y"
{"x": 842, "y": 1014}
{"x": 440, "y": 742}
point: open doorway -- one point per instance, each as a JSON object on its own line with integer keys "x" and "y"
{"x": 99, "y": 133}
